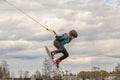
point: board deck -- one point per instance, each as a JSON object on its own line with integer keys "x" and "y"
{"x": 49, "y": 54}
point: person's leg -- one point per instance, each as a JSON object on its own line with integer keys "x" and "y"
{"x": 65, "y": 54}
{"x": 61, "y": 49}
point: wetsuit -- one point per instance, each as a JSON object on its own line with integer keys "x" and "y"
{"x": 59, "y": 43}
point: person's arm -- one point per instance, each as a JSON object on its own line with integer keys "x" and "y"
{"x": 62, "y": 37}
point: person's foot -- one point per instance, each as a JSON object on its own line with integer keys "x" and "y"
{"x": 53, "y": 53}
{"x": 57, "y": 64}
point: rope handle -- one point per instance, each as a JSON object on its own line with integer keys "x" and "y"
{"x": 50, "y": 30}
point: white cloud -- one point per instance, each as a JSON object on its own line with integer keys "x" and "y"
{"x": 108, "y": 47}
{"x": 80, "y": 60}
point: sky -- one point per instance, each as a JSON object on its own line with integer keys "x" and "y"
{"x": 22, "y": 40}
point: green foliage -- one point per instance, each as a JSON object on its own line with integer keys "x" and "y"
{"x": 117, "y": 74}
{"x": 104, "y": 73}
{"x": 93, "y": 74}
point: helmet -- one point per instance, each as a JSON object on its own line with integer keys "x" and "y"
{"x": 73, "y": 33}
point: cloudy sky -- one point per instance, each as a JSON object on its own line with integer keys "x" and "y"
{"x": 22, "y": 40}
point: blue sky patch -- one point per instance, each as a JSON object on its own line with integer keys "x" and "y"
{"x": 112, "y": 2}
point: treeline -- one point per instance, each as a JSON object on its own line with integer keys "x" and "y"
{"x": 4, "y": 71}
{"x": 97, "y": 74}
{"x": 93, "y": 75}
{"x": 48, "y": 73}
